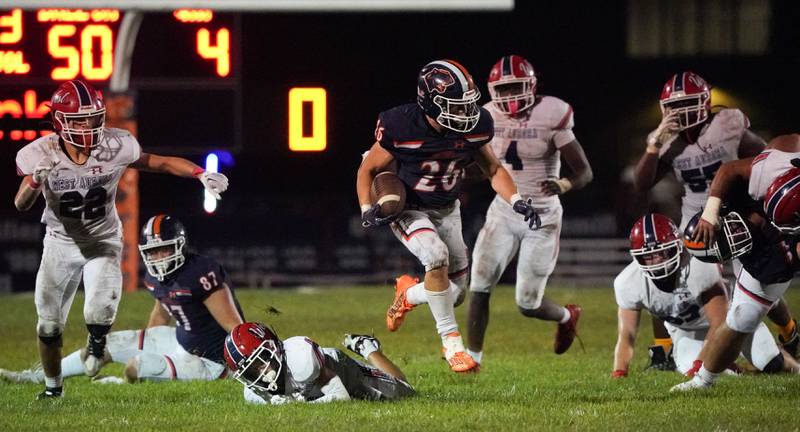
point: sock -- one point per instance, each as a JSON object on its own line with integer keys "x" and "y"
{"x": 441, "y": 304}
{"x": 664, "y": 342}
{"x": 416, "y": 294}
{"x": 787, "y": 330}
{"x": 477, "y": 356}
{"x": 565, "y": 317}
{"x": 54, "y": 382}
{"x": 72, "y": 365}
{"x": 706, "y": 375}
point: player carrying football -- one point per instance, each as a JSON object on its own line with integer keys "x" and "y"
{"x": 531, "y": 133}
{"x": 432, "y": 142}
{"x": 77, "y": 169}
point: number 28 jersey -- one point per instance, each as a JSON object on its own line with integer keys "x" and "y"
{"x": 682, "y": 307}
{"x": 430, "y": 164}
{"x": 80, "y": 199}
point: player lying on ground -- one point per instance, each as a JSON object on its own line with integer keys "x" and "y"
{"x": 191, "y": 288}
{"x": 298, "y": 370}
{"x": 686, "y": 293}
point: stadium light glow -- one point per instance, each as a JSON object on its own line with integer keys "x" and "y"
{"x": 212, "y": 165}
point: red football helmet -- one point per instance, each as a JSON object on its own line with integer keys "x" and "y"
{"x": 656, "y": 245}
{"x": 512, "y": 84}
{"x": 255, "y": 355}
{"x": 782, "y": 202}
{"x": 689, "y": 95}
{"x": 78, "y": 114}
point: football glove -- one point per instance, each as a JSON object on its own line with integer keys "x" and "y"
{"x": 42, "y": 169}
{"x": 664, "y": 133}
{"x": 525, "y": 208}
{"x": 371, "y": 219}
{"x": 214, "y": 183}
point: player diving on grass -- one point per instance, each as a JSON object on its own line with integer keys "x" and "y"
{"x": 276, "y": 371}
{"x": 192, "y": 289}
{"x": 432, "y": 141}
{"x": 689, "y": 295}
{"x": 77, "y": 170}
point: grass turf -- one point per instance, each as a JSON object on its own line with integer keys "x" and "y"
{"x": 522, "y": 385}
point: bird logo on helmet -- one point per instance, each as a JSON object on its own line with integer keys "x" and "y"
{"x": 79, "y": 114}
{"x": 689, "y": 96}
{"x": 255, "y": 355}
{"x": 656, "y": 246}
{"x": 161, "y": 245}
{"x": 782, "y": 202}
{"x": 512, "y": 85}
{"x": 447, "y": 94}
{"x": 735, "y": 241}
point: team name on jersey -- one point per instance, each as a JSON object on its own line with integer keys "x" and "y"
{"x": 516, "y": 133}
{"x": 714, "y": 155}
{"x": 82, "y": 182}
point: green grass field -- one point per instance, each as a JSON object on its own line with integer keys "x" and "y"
{"x": 522, "y": 385}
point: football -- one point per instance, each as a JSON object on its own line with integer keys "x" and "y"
{"x": 389, "y": 192}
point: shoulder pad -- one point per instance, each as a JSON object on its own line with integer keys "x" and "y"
{"x": 302, "y": 358}
{"x": 558, "y": 113}
{"x": 732, "y": 118}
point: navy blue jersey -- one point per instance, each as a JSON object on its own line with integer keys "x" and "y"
{"x": 182, "y": 294}
{"x": 771, "y": 259}
{"x": 431, "y": 164}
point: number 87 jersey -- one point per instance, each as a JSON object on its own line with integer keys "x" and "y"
{"x": 80, "y": 198}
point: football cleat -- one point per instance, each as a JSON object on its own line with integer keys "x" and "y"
{"x": 660, "y": 359}
{"x": 693, "y": 384}
{"x": 363, "y": 345}
{"x": 93, "y": 363}
{"x": 397, "y": 310}
{"x": 566, "y": 332}
{"x": 456, "y": 355}
{"x": 51, "y": 393}
{"x": 791, "y": 345}
{"x": 34, "y": 375}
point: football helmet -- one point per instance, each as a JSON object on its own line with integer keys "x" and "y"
{"x": 162, "y": 245}
{"x": 512, "y": 85}
{"x": 656, "y": 246}
{"x": 79, "y": 114}
{"x": 782, "y": 202}
{"x": 688, "y": 95}
{"x": 735, "y": 239}
{"x": 447, "y": 94}
{"x": 255, "y": 355}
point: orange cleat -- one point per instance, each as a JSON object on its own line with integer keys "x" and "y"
{"x": 565, "y": 333}
{"x": 397, "y": 310}
{"x": 456, "y": 355}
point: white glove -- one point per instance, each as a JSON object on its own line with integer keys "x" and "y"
{"x": 42, "y": 170}
{"x": 215, "y": 183}
{"x": 279, "y": 399}
{"x": 664, "y": 133}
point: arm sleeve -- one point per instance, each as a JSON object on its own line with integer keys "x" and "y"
{"x": 209, "y": 276}
{"x": 383, "y": 134}
{"x": 134, "y": 148}
{"x": 563, "y": 134}
{"x": 623, "y": 293}
{"x": 27, "y": 158}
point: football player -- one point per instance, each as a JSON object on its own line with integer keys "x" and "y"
{"x": 531, "y": 133}
{"x": 77, "y": 169}
{"x": 767, "y": 269}
{"x": 188, "y": 287}
{"x": 688, "y": 294}
{"x": 693, "y": 143}
{"x": 276, "y": 371}
{"x": 432, "y": 142}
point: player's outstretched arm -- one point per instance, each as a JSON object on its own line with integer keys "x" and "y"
{"x": 214, "y": 183}
{"x": 628, "y": 326}
{"x": 223, "y": 309}
{"x": 27, "y": 194}
{"x": 582, "y": 171}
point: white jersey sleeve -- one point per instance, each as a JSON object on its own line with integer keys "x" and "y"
{"x": 304, "y": 358}
{"x": 629, "y": 286}
{"x": 30, "y": 155}
{"x": 765, "y": 168}
{"x": 562, "y": 129}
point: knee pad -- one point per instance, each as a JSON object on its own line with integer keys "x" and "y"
{"x": 530, "y": 313}
{"x": 775, "y": 365}
{"x": 744, "y": 317}
{"x": 52, "y": 341}
{"x": 98, "y": 331}
{"x": 437, "y": 255}
{"x": 152, "y": 367}
{"x": 48, "y": 331}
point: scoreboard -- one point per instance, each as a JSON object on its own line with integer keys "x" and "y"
{"x": 185, "y": 73}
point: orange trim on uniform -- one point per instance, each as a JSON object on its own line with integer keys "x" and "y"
{"x": 408, "y": 236}
{"x": 463, "y": 70}
{"x": 754, "y": 296}
{"x": 157, "y": 225}
{"x": 566, "y": 118}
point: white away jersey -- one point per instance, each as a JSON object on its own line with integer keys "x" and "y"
{"x": 766, "y": 167}
{"x": 695, "y": 168}
{"x": 80, "y": 198}
{"x": 682, "y": 307}
{"x": 529, "y": 147}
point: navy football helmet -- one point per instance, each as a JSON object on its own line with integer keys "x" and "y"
{"x": 732, "y": 241}
{"x": 447, "y": 94}
{"x": 161, "y": 245}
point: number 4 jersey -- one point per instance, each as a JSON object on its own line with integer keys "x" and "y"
{"x": 80, "y": 198}
{"x": 682, "y": 307}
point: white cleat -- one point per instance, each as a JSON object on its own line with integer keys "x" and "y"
{"x": 695, "y": 383}
{"x": 34, "y": 375}
{"x": 92, "y": 364}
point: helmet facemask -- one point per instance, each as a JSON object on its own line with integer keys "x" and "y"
{"x": 160, "y": 265}
{"x": 460, "y": 115}
{"x": 738, "y": 240}
{"x": 262, "y": 369}
{"x": 513, "y": 96}
{"x": 691, "y": 110}
{"x": 659, "y": 261}
{"x": 82, "y": 129}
